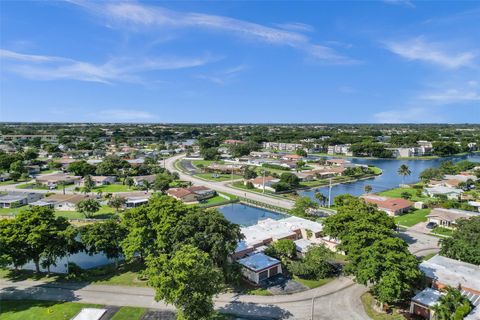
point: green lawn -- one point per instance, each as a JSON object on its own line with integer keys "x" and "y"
{"x": 412, "y": 218}
{"x": 204, "y": 163}
{"x": 397, "y": 193}
{"x": 129, "y": 313}
{"x": 40, "y": 310}
{"x": 368, "y": 300}
{"x": 312, "y": 283}
{"x": 219, "y": 177}
{"x": 113, "y": 188}
{"x": 442, "y": 231}
{"x": 214, "y": 200}
{"x": 376, "y": 170}
{"x": 7, "y": 182}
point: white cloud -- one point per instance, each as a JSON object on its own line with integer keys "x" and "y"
{"x": 40, "y": 67}
{"x": 452, "y": 96}
{"x": 296, "y": 26}
{"x": 123, "y": 115}
{"x": 136, "y": 15}
{"x": 223, "y": 76}
{"x": 431, "y": 52}
{"x": 407, "y": 115}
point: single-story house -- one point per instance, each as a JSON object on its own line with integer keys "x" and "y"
{"x": 99, "y": 180}
{"x": 302, "y": 246}
{"x": 192, "y": 194}
{"x": 16, "y": 199}
{"x": 305, "y": 176}
{"x": 337, "y": 162}
{"x": 292, "y": 157}
{"x": 260, "y": 182}
{"x": 134, "y": 199}
{"x": 447, "y": 217}
{"x": 55, "y": 179}
{"x": 392, "y": 206}
{"x": 450, "y": 193}
{"x": 224, "y": 168}
{"x": 62, "y": 202}
{"x": 259, "y": 267}
{"x": 141, "y": 180}
{"x": 441, "y": 272}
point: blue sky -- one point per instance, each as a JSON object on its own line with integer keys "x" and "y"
{"x": 240, "y": 61}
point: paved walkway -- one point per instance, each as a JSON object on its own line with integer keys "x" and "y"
{"x": 223, "y": 187}
{"x": 338, "y": 299}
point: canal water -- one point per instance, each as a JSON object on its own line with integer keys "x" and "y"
{"x": 389, "y": 178}
{"x": 245, "y": 215}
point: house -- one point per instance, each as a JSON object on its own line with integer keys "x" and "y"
{"x": 233, "y": 142}
{"x": 392, "y": 206}
{"x": 450, "y": 193}
{"x": 447, "y": 217}
{"x": 98, "y": 180}
{"x": 423, "y": 301}
{"x": 17, "y": 199}
{"x": 55, "y": 179}
{"x": 192, "y": 194}
{"x": 143, "y": 180}
{"x": 135, "y": 199}
{"x": 292, "y": 157}
{"x": 62, "y": 202}
{"x": 306, "y": 176}
{"x": 264, "y": 182}
{"x": 441, "y": 272}
{"x": 224, "y": 168}
{"x": 258, "y": 267}
{"x": 337, "y": 162}
{"x": 302, "y": 246}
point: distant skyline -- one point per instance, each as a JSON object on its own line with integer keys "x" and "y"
{"x": 392, "y": 61}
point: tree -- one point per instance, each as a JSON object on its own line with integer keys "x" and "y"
{"x": 406, "y": 195}
{"x": 249, "y": 173}
{"x": 117, "y": 202}
{"x": 452, "y": 306}
{"x": 404, "y": 170}
{"x": 187, "y": 279}
{"x": 284, "y": 249}
{"x": 81, "y": 168}
{"x": 88, "y": 184}
{"x": 17, "y": 167}
{"x": 301, "y": 152}
{"x": 320, "y": 197}
{"x": 210, "y": 153}
{"x": 36, "y": 234}
{"x": 30, "y": 154}
{"x": 315, "y": 264}
{"x": 464, "y": 244}
{"x": 103, "y": 237}
{"x": 303, "y": 205}
{"x": 128, "y": 181}
{"x": 368, "y": 188}
{"x": 162, "y": 182}
{"x": 431, "y": 174}
{"x": 291, "y": 179}
{"x": 88, "y": 207}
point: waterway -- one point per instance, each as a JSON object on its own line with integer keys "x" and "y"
{"x": 390, "y": 178}
{"x": 246, "y": 215}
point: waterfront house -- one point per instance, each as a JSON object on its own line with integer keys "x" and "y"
{"x": 392, "y": 206}
{"x": 258, "y": 267}
{"x": 448, "y": 217}
{"x": 261, "y": 182}
{"x": 192, "y": 194}
{"x": 450, "y": 193}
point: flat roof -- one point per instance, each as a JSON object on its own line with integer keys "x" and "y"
{"x": 428, "y": 297}
{"x": 258, "y": 262}
{"x": 90, "y": 314}
{"x": 452, "y": 272}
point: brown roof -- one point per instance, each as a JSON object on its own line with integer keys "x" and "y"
{"x": 56, "y": 177}
{"x": 388, "y": 203}
{"x": 452, "y": 214}
{"x": 72, "y": 198}
{"x": 179, "y": 192}
{"x": 259, "y": 180}
{"x": 198, "y": 188}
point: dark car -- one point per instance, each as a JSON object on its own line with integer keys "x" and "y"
{"x": 431, "y": 225}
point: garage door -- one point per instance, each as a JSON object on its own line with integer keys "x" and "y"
{"x": 263, "y": 275}
{"x": 273, "y": 271}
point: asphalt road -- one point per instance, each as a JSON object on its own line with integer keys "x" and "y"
{"x": 338, "y": 299}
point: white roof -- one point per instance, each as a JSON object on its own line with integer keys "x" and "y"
{"x": 452, "y": 272}
{"x": 258, "y": 262}
{"x": 443, "y": 190}
{"x": 90, "y": 314}
{"x": 428, "y": 297}
{"x": 303, "y": 245}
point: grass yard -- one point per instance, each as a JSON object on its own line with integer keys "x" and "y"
{"x": 212, "y": 201}
{"x": 113, "y": 188}
{"x": 312, "y": 283}
{"x": 40, "y": 310}
{"x": 204, "y": 163}
{"x": 442, "y": 231}
{"x": 412, "y": 218}
{"x": 7, "y": 182}
{"x": 10, "y": 211}
{"x": 259, "y": 170}
{"x": 105, "y": 212}
{"x": 397, "y": 193}
{"x": 368, "y": 300}
{"x": 217, "y": 177}
{"x": 128, "y": 313}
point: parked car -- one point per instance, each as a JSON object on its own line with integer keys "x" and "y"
{"x": 431, "y": 225}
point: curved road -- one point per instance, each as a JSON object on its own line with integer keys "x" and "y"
{"x": 338, "y": 299}
{"x": 222, "y": 187}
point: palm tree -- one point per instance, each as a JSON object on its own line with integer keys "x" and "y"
{"x": 320, "y": 197}
{"x": 452, "y": 305}
{"x": 368, "y": 188}
{"x": 404, "y": 170}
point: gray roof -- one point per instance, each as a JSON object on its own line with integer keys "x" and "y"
{"x": 258, "y": 262}
{"x": 428, "y": 297}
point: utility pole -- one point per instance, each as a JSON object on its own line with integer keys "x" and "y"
{"x": 313, "y": 307}
{"x": 330, "y": 193}
{"x": 263, "y": 173}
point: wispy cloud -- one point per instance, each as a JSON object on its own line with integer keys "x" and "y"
{"x": 223, "y": 76}
{"x": 123, "y": 115}
{"x": 42, "y": 67}
{"x": 405, "y": 3}
{"x": 296, "y": 26}
{"x": 135, "y": 15}
{"x": 407, "y": 115}
{"x": 432, "y": 52}
{"x": 450, "y": 96}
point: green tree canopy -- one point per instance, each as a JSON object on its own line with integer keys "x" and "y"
{"x": 464, "y": 244}
{"x": 452, "y": 306}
